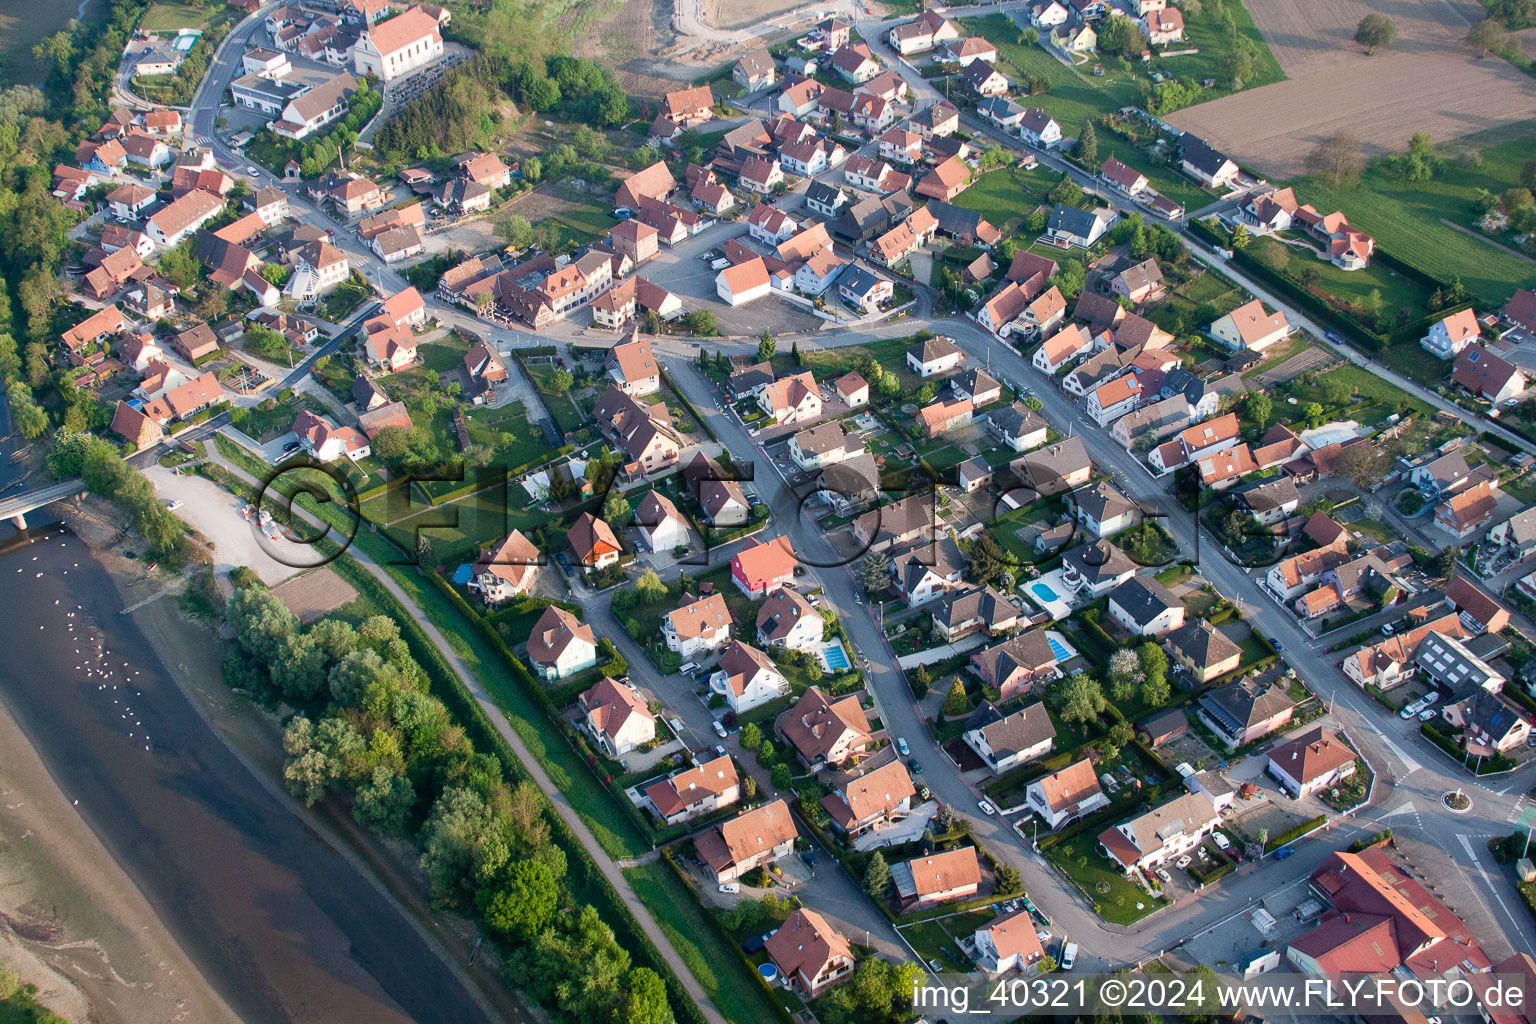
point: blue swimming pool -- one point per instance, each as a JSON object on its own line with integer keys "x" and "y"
{"x": 1062, "y": 654}
{"x": 836, "y": 658}
{"x": 462, "y": 574}
{"x": 1044, "y": 592}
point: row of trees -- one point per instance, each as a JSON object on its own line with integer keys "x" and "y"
{"x": 98, "y": 463}
{"x": 372, "y": 730}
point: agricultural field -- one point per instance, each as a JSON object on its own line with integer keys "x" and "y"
{"x": 1428, "y": 81}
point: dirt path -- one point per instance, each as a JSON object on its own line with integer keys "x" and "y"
{"x": 498, "y": 718}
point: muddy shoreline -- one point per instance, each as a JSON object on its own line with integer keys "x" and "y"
{"x": 180, "y": 875}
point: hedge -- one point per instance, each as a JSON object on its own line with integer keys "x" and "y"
{"x": 780, "y": 1014}
{"x": 1356, "y": 331}
{"x": 1366, "y": 842}
{"x": 666, "y": 378}
{"x": 1485, "y": 766}
{"x": 1292, "y": 834}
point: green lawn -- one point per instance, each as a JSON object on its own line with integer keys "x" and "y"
{"x": 1204, "y": 34}
{"x": 1411, "y": 360}
{"x": 938, "y": 939}
{"x": 1161, "y": 177}
{"x": 1352, "y": 287}
{"x": 719, "y": 969}
{"x": 517, "y": 440}
{"x": 1405, "y": 216}
{"x": 1383, "y": 397}
{"x": 168, "y": 17}
{"x": 586, "y": 221}
{"x": 1074, "y": 97}
{"x": 443, "y": 355}
{"x": 1114, "y": 896}
{"x": 1005, "y": 195}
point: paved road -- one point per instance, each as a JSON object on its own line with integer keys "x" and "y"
{"x": 1410, "y": 771}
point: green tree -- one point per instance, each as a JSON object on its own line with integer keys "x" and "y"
{"x": 261, "y": 622}
{"x": 1081, "y": 699}
{"x": 877, "y": 877}
{"x": 781, "y": 777}
{"x": 766, "y": 755}
{"x": 1487, "y": 35}
{"x": 1088, "y": 145}
{"x": 465, "y": 844}
{"x": 524, "y": 903}
{"x": 1257, "y": 405}
{"x": 874, "y": 572}
{"x": 645, "y": 998}
{"x": 1375, "y": 30}
{"x": 616, "y": 509}
{"x": 765, "y": 347}
{"x": 751, "y": 736}
{"x": 955, "y": 702}
{"x": 1240, "y": 237}
{"x": 650, "y": 587}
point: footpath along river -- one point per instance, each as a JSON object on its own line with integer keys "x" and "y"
{"x": 283, "y": 927}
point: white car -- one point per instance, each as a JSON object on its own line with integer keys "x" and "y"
{"x": 676, "y": 725}
{"x": 901, "y": 746}
{"x": 731, "y": 887}
{"x": 1433, "y": 696}
{"x": 173, "y": 504}
{"x": 1221, "y": 841}
{"x": 1165, "y": 876}
{"x": 1069, "y": 956}
{"x": 986, "y": 807}
{"x": 719, "y": 729}
{"x": 251, "y": 170}
{"x": 1182, "y": 862}
{"x": 1428, "y": 715}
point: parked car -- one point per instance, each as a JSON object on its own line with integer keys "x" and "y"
{"x": 173, "y": 504}
{"x": 1283, "y": 852}
{"x": 719, "y": 729}
{"x": 1069, "y": 956}
{"x": 732, "y": 887}
{"x": 686, "y": 668}
{"x": 901, "y": 746}
{"x": 1182, "y": 862}
{"x": 914, "y": 767}
{"x": 1409, "y": 710}
{"x": 1387, "y": 629}
{"x": 676, "y": 725}
{"x": 1430, "y": 698}
{"x": 1221, "y": 841}
{"x": 1427, "y": 714}
{"x": 986, "y": 807}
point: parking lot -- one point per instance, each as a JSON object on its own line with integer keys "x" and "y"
{"x": 684, "y": 270}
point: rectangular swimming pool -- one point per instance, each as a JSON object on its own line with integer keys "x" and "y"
{"x": 835, "y": 657}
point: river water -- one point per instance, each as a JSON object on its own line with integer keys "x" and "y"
{"x": 284, "y": 928}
